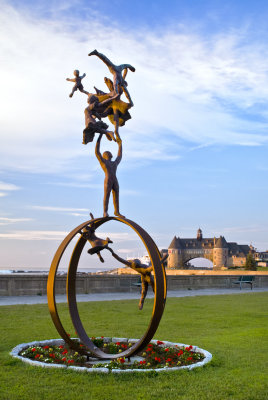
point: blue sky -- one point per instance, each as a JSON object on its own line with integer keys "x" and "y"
{"x": 195, "y": 150}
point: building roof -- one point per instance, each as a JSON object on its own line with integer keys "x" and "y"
{"x": 221, "y": 243}
{"x": 209, "y": 243}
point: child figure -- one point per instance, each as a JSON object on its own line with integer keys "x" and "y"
{"x": 78, "y": 84}
{"x": 144, "y": 270}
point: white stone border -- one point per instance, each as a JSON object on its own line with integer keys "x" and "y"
{"x": 57, "y": 342}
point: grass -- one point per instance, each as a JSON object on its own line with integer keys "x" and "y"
{"x": 234, "y": 328}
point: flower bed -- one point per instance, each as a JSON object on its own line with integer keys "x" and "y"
{"x": 158, "y": 355}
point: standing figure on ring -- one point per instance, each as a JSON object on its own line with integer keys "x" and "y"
{"x": 110, "y": 182}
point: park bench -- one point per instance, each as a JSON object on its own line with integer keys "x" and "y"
{"x": 244, "y": 279}
{"x": 137, "y": 284}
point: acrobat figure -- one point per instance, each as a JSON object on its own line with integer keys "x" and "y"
{"x": 117, "y": 110}
{"x": 78, "y": 83}
{"x": 110, "y": 182}
{"x": 94, "y": 110}
{"x": 145, "y": 272}
{"x": 97, "y": 244}
{"x": 116, "y": 71}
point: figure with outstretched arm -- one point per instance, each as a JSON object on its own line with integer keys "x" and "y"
{"x": 110, "y": 182}
{"x": 78, "y": 83}
{"x": 144, "y": 270}
{"x": 116, "y": 71}
{"x": 97, "y": 244}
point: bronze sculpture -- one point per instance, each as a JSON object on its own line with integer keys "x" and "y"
{"x": 116, "y": 70}
{"x": 118, "y": 110}
{"x": 78, "y": 83}
{"x": 110, "y": 182}
{"x": 144, "y": 270}
{"x": 102, "y": 105}
{"x": 97, "y": 243}
{"x": 94, "y": 110}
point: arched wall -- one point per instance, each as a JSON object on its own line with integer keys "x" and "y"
{"x": 207, "y": 262}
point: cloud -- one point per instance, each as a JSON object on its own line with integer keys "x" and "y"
{"x": 58, "y": 209}
{"x": 74, "y": 212}
{"x": 8, "y": 186}
{"x": 78, "y": 215}
{"x": 187, "y": 88}
{"x": 59, "y": 235}
{"x": 34, "y": 235}
{"x": 8, "y": 221}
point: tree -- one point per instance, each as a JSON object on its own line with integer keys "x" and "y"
{"x": 251, "y": 264}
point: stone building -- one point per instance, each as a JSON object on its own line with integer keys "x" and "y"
{"x": 222, "y": 254}
{"x": 261, "y": 257}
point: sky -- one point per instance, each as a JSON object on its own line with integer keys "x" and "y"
{"x": 194, "y": 152}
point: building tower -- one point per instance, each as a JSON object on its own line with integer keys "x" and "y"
{"x": 220, "y": 254}
{"x": 199, "y": 235}
{"x": 175, "y": 253}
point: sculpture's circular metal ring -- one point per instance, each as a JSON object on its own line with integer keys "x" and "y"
{"x": 159, "y": 298}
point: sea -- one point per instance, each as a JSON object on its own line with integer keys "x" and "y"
{"x": 38, "y": 271}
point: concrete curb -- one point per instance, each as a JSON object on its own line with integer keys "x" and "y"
{"x": 57, "y": 342}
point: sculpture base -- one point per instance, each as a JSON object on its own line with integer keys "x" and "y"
{"x": 170, "y": 356}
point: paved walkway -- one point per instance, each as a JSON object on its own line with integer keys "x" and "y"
{"x": 11, "y": 300}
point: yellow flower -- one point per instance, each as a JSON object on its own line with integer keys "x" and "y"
{"x": 76, "y": 354}
{"x": 144, "y": 354}
{"x": 120, "y": 351}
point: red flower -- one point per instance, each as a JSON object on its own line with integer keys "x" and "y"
{"x": 34, "y": 349}
{"x": 188, "y": 348}
{"x": 122, "y": 360}
{"x": 180, "y": 353}
{"x": 46, "y": 347}
{"x": 189, "y": 358}
{"x": 52, "y": 355}
{"x": 166, "y": 349}
{"x": 64, "y": 359}
{"x": 102, "y": 337}
{"x": 37, "y": 356}
{"x": 61, "y": 347}
{"x": 65, "y": 351}
{"x": 70, "y": 361}
{"x": 159, "y": 342}
{"x": 142, "y": 362}
{"x": 169, "y": 359}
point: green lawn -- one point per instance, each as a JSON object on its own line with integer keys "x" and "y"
{"x": 234, "y": 328}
